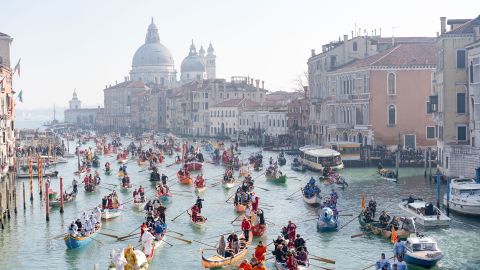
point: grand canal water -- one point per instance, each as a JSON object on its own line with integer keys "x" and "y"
{"x": 29, "y": 242}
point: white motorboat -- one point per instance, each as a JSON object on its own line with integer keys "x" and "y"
{"x": 425, "y": 214}
{"x": 464, "y": 196}
{"x": 422, "y": 251}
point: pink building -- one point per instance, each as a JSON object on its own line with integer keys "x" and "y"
{"x": 381, "y": 100}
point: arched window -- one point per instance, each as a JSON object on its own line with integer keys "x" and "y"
{"x": 391, "y": 78}
{"x": 392, "y": 115}
{"x": 355, "y": 47}
{"x": 345, "y": 137}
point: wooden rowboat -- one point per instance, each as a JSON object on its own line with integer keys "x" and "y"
{"x": 164, "y": 197}
{"x": 218, "y": 260}
{"x": 200, "y": 222}
{"x": 377, "y": 229}
{"x": 281, "y": 266}
{"x": 230, "y": 183}
{"x": 56, "y": 202}
{"x": 80, "y": 241}
{"x": 194, "y": 166}
{"x": 277, "y": 179}
{"x": 139, "y": 206}
{"x": 185, "y": 180}
{"x": 111, "y": 213}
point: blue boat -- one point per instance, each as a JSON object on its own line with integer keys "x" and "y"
{"x": 79, "y": 241}
{"x": 422, "y": 251}
{"x": 327, "y": 222}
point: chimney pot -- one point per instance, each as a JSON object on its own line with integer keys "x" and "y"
{"x": 443, "y": 24}
{"x": 345, "y": 38}
{"x": 313, "y": 52}
{"x": 263, "y": 84}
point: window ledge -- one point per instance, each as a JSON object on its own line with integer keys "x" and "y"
{"x": 391, "y": 125}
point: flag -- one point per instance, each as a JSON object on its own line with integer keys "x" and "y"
{"x": 363, "y": 200}
{"x": 20, "y": 96}
{"x": 394, "y": 235}
{"x": 17, "y": 67}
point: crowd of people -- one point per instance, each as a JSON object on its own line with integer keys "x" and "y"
{"x": 86, "y": 225}
{"x": 290, "y": 248}
{"x": 110, "y": 201}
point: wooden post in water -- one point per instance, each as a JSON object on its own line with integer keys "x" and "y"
{"x": 7, "y": 200}
{"x": 47, "y": 202}
{"x": 448, "y": 196}
{"x": 40, "y": 182}
{"x": 430, "y": 163}
{"x": 31, "y": 178}
{"x": 438, "y": 190}
{"x": 24, "y": 204}
{"x": 425, "y": 162}
{"x": 1, "y": 211}
{"x": 61, "y": 194}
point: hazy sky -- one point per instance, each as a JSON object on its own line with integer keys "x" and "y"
{"x": 88, "y": 44}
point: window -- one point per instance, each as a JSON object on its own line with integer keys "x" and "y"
{"x": 333, "y": 61}
{"x": 391, "y": 84}
{"x": 355, "y": 47}
{"x": 430, "y": 132}
{"x": 461, "y": 133}
{"x": 461, "y": 103}
{"x": 460, "y": 58}
{"x": 392, "y": 113}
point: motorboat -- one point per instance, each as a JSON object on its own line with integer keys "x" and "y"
{"x": 422, "y": 251}
{"x": 464, "y": 196}
{"x": 426, "y": 214}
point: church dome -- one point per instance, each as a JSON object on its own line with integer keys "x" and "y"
{"x": 193, "y": 62}
{"x": 152, "y": 53}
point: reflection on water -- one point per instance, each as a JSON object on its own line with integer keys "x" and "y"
{"x": 29, "y": 243}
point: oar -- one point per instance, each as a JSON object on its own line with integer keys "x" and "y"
{"x": 166, "y": 242}
{"x": 345, "y": 215}
{"x": 293, "y": 193}
{"x": 208, "y": 245}
{"x": 349, "y": 222}
{"x": 230, "y": 197}
{"x": 262, "y": 188}
{"x": 111, "y": 235}
{"x": 236, "y": 218}
{"x": 127, "y": 236}
{"x": 321, "y": 267}
{"x": 358, "y": 235}
{"x": 181, "y": 234}
{"x": 183, "y": 212}
{"x": 310, "y": 219}
{"x": 181, "y": 239}
{"x": 322, "y": 259}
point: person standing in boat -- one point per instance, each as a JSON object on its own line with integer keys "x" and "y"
{"x": 245, "y": 265}
{"x": 199, "y": 204}
{"x": 75, "y": 186}
{"x": 260, "y": 252}
{"x": 291, "y": 230}
{"x": 246, "y": 226}
{"x": 147, "y": 239}
{"x": 221, "y": 246}
{"x": 372, "y": 205}
{"x": 399, "y": 249}
{"x": 382, "y": 263}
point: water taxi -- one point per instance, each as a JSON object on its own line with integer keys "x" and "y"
{"x": 425, "y": 214}
{"x": 422, "y": 251}
{"x": 464, "y": 196}
{"x": 316, "y": 158}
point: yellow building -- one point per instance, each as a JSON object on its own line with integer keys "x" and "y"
{"x": 458, "y": 153}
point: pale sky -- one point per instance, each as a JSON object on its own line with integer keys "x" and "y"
{"x": 88, "y": 44}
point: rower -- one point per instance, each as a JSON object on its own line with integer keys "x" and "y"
{"x": 384, "y": 219}
{"x": 199, "y": 204}
{"x": 302, "y": 256}
{"x": 260, "y": 252}
{"x": 74, "y": 185}
{"x": 291, "y": 230}
{"x": 194, "y": 209}
{"x": 382, "y": 263}
{"x": 246, "y": 226}
{"x": 299, "y": 242}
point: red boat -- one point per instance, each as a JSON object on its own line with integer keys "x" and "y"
{"x": 184, "y": 179}
{"x": 193, "y": 166}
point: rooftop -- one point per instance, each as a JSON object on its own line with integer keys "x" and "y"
{"x": 465, "y": 28}
{"x": 238, "y": 102}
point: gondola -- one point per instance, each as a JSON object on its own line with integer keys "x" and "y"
{"x": 388, "y": 175}
{"x": 111, "y": 213}
{"x": 218, "y": 260}
{"x": 73, "y": 242}
{"x": 200, "y": 186}
{"x": 313, "y": 200}
{"x": 56, "y": 202}
{"x": 139, "y": 206}
{"x": 376, "y": 228}
{"x": 276, "y": 177}
{"x": 229, "y": 183}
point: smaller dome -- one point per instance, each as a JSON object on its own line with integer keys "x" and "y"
{"x": 193, "y": 62}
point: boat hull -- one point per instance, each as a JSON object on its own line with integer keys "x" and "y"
{"x": 432, "y": 221}
{"x": 194, "y": 166}
{"x": 110, "y": 213}
{"x": 422, "y": 260}
{"x": 184, "y": 180}
{"x": 327, "y": 226}
{"x": 313, "y": 201}
{"x": 462, "y": 208}
{"x": 240, "y": 208}
{"x": 139, "y": 206}
{"x": 79, "y": 242}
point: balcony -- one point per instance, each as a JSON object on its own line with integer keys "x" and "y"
{"x": 344, "y": 126}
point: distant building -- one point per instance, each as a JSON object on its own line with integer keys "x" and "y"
{"x": 455, "y": 97}
{"x": 298, "y": 119}
{"x": 78, "y": 116}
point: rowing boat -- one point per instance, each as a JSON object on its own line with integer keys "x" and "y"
{"x": 111, "y": 213}
{"x": 277, "y": 179}
{"x": 314, "y": 200}
{"x": 218, "y": 260}
{"x": 228, "y": 184}
{"x": 200, "y": 222}
{"x": 184, "y": 179}
{"x": 56, "y": 202}
{"x": 376, "y": 228}
{"x": 194, "y": 166}
{"x": 80, "y": 241}
{"x": 164, "y": 197}
{"x": 282, "y": 266}
{"x": 327, "y": 221}
{"x": 139, "y": 206}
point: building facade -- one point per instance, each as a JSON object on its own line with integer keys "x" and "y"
{"x": 298, "y": 118}
{"x": 78, "y": 116}
{"x": 452, "y": 102}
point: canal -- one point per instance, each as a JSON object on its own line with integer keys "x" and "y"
{"x": 29, "y": 242}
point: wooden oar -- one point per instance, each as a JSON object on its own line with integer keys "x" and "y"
{"x": 208, "y": 245}
{"x": 293, "y": 193}
{"x": 236, "y": 218}
{"x": 181, "y": 234}
{"x": 127, "y": 236}
{"x": 346, "y": 215}
{"x": 349, "y": 222}
{"x": 358, "y": 235}
{"x": 183, "y": 212}
{"x": 230, "y": 197}
{"x": 181, "y": 239}
{"x": 321, "y": 267}
{"x": 322, "y": 259}
{"x": 262, "y": 188}
{"x": 309, "y": 219}
{"x": 110, "y": 235}
{"x": 166, "y": 242}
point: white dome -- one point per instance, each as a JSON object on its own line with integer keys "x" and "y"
{"x": 193, "y": 62}
{"x": 152, "y": 53}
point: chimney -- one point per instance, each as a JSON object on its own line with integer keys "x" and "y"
{"x": 305, "y": 90}
{"x": 313, "y": 52}
{"x": 251, "y": 81}
{"x": 476, "y": 33}
{"x": 116, "y": 82}
{"x": 263, "y": 84}
{"x": 345, "y": 48}
{"x": 345, "y": 38}
{"x": 443, "y": 24}
{"x": 257, "y": 83}
{"x": 106, "y": 86}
